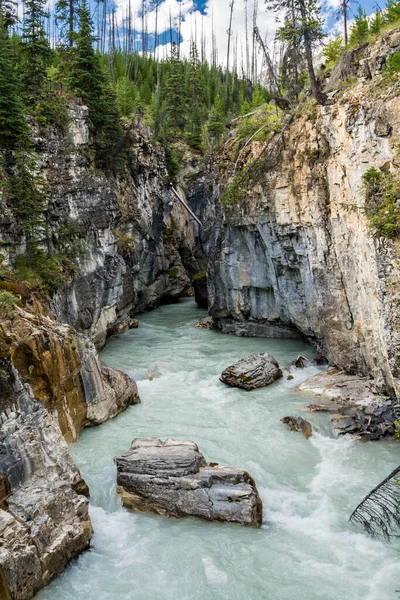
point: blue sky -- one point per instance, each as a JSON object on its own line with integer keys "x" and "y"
{"x": 205, "y": 16}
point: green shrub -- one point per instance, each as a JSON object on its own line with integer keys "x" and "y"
{"x": 125, "y": 242}
{"x": 377, "y": 24}
{"x": 237, "y": 189}
{"x": 173, "y": 273}
{"x": 172, "y": 164}
{"x": 393, "y": 63}
{"x": 200, "y": 276}
{"x": 392, "y": 12}
{"x": 48, "y": 273}
{"x": 382, "y": 202}
{"x": 333, "y": 51}
{"x": 52, "y": 111}
{"x": 8, "y": 302}
{"x": 360, "y": 30}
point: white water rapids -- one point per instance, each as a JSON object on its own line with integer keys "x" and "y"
{"x": 305, "y": 550}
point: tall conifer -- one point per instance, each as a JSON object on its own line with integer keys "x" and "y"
{"x": 35, "y": 49}
{"x": 12, "y": 121}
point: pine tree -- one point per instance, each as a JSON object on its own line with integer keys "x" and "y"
{"x": 7, "y": 10}
{"x": 304, "y": 24}
{"x": 35, "y": 50}
{"x": 174, "y": 93}
{"x": 88, "y": 81}
{"x": 377, "y": 23}
{"x": 126, "y": 96}
{"x": 195, "y": 95}
{"x": 216, "y": 122}
{"x": 359, "y": 31}
{"x": 12, "y": 121}
{"x": 343, "y": 11}
{"x": 392, "y": 12}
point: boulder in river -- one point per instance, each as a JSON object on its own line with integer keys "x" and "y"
{"x": 172, "y": 478}
{"x": 207, "y": 323}
{"x": 254, "y": 371}
{"x": 298, "y": 424}
{"x": 301, "y": 362}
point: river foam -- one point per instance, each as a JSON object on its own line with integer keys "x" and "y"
{"x": 305, "y": 549}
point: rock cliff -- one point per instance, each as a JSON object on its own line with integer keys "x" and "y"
{"x": 133, "y": 249}
{"x": 132, "y": 240}
{"x": 44, "y": 520}
{"x": 297, "y": 249}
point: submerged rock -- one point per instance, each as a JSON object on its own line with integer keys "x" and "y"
{"x": 255, "y": 329}
{"x": 316, "y": 408}
{"x": 172, "y": 478}
{"x": 207, "y": 323}
{"x": 347, "y": 389}
{"x": 298, "y": 424}
{"x": 254, "y": 371}
{"x": 301, "y": 362}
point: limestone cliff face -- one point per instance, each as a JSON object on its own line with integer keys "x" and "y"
{"x": 64, "y": 372}
{"x": 135, "y": 239}
{"x": 44, "y": 521}
{"x": 51, "y": 385}
{"x": 296, "y": 252}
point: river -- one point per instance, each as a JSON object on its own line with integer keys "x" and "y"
{"x": 305, "y": 549}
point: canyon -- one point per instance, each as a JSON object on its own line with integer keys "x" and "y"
{"x": 292, "y": 258}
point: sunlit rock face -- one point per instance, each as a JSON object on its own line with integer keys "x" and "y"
{"x": 52, "y": 384}
{"x": 64, "y": 372}
{"x": 297, "y": 249}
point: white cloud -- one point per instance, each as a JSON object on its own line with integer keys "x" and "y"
{"x": 216, "y": 18}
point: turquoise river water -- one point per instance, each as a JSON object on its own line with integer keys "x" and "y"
{"x": 305, "y": 550}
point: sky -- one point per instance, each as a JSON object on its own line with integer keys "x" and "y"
{"x": 209, "y": 15}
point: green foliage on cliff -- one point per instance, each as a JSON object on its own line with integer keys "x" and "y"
{"x": 27, "y": 190}
{"x": 393, "y": 63}
{"x": 8, "y": 302}
{"x": 12, "y": 119}
{"x": 52, "y": 111}
{"x": 88, "y": 81}
{"x": 333, "y": 51}
{"x": 382, "y": 202}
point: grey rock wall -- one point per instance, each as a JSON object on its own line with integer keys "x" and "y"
{"x": 297, "y": 250}
{"x": 44, "y": 521}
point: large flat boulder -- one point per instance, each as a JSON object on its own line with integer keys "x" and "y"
{"x": 254, "y": 371}
{"x": 172, "y": 478}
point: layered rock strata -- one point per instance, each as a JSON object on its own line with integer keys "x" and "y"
{"x": 52, "y": 384}
{"x": 133, "y": 240}
{"x": 172, "y": 478}
{"x": 64, "y": 372}
{"x": 297, "y": 250}
{"x": 44, "y": 520}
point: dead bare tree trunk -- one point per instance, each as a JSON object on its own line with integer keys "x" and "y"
{"x": 315, "y": 87}
{"x": 231, "y": 6}
{"x": 346, "y": 35}
{"x": 271, "y": 70}
{"x": 247, "y": 41}
{"x": 156, "y": 30}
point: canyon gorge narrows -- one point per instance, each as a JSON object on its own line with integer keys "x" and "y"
{"x": 289, "y": 265}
